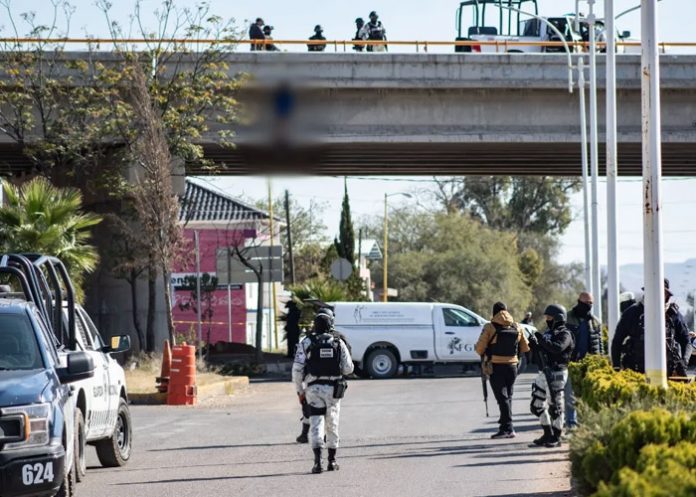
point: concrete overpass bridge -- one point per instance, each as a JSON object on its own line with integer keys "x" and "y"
{"x": 508, "y": 114}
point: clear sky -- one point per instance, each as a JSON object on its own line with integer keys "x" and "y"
{"x": 431, "y": 20}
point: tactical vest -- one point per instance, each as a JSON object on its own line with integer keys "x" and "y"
{"x": 506, "y": 341}
{"x": 324, "y": 356}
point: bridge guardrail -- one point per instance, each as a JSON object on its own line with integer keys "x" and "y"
{"x": 501, "y": 46}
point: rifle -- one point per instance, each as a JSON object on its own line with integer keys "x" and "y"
{"x": 484, "y": 377}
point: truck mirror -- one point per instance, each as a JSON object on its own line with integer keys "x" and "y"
{"x": 80, "y": 367}
{"x": 625, "y": 34}
{"x": 119, "y": 343}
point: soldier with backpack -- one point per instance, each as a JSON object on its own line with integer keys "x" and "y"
{"x": 321, "y": 363}
{"x": 500, "y": 344}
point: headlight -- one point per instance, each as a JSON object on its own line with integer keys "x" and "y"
{"x": 36, "y": 421}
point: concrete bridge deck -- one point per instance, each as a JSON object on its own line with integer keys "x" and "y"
{"x": 429, "y": 114}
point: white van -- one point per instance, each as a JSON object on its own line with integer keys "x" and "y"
{"x": 384, "y": 335}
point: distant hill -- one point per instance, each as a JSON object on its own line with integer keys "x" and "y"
{"x": 681, "y": 275}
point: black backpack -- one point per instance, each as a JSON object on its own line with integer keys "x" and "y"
{"x": 507, "y": 341}
{"x": 324, "y": 356}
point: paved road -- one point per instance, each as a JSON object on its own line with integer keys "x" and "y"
{"x": 406, "y": 437}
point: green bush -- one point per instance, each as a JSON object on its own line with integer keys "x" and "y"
{"x": 612, "y": 440}
{"x": 597, "y": 384}
{"x": 661, "y": 471}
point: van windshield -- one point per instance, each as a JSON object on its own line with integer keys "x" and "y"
{"x": 19, "y": 349}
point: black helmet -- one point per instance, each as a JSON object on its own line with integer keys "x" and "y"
{"x": 557, "y": 312}
{"x": 326, "y": 311}
{"x": 322, "y": 324}
{"x": 360, "y": 20}
{"x": 318, "y": 28}
{"x": 373, "y": 14}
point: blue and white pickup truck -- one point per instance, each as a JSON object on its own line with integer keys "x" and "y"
{"x": 37, "y": 411}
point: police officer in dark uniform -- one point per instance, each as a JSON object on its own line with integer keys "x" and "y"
{"x": 359, "y": 34}
{"x": 628, "y": 345}
{"x": 552, "y": 351}
{"x": 256, "y": 33}
{"x": 318, "y": 35}
{"x": 587, "y": 336}
{"x": 321, "y": 363}
{"x": 375, "y": 31}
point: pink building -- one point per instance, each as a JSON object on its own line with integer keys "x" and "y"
{"x": 221, "y": 222}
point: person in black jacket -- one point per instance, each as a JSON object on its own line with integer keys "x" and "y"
{"x": 256, "y": 33}
{"x": 628, "y": 345}
{"x": 587, "y": 336}
{"x": 552, "y": 350}
{"x": 318, "y": 36}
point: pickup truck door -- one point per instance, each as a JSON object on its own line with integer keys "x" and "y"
{"x": 456, "y": 333}
{"x": 97, "y": 397}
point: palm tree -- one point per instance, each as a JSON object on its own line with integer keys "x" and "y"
{"x": 40, "y": 218}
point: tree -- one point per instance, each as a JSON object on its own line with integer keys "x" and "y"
{"x": 440, "y": 257}
{"x": 153, "y": 196}
{"x": 537, "y": 204}
{"x": 345, "y": 244}
{"x": 40, "y": 218}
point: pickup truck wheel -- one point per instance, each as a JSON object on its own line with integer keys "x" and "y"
{"x": 381, "y": 364}
{"x": 80, "y": 463}
{"x": 115, "y": 451}
{"x": 67, "y": 488}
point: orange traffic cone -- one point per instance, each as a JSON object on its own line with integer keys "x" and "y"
{"x": 163, "y": 379}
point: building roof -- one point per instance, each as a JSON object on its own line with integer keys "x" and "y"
{"x": 201, "y": 203}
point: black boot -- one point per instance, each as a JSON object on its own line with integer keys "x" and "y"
{"x": 545, "y": 438}
{"x": 333, "y": 465}
{"x": 317, "y": 461}
{"x": 555, "y": 440}
{"x": 302, "y": 439}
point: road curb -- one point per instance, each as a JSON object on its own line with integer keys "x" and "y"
{"x": 224, "y": 387}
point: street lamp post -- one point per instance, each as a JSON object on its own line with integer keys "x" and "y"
{"x": 585, "y": 181}
{"x": 385, "y": 256}
{"x": 655, "y": 353}
{"x": 612, "y": 171}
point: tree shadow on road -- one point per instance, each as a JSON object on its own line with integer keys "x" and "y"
{"x": 558, "y": 493}
{"x": 508, "y": 462}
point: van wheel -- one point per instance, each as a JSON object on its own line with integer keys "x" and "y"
{"x": 381, "y": 364}
{"x": 80, "y": 444}
{"x": 115, "y": 451}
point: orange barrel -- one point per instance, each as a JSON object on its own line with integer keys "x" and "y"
{"x": 182, "y": 382}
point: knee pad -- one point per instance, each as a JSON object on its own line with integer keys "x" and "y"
{"x": 536, "y": 406}
{"x": 317, "y": 411}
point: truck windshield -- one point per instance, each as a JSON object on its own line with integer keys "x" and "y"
{"x": 18, "y": 347}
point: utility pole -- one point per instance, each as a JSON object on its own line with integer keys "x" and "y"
{"x": 612, "y": 172}
{"x": 655, "y": 353}
{"x": 594, "y": 160}
{"x": 385, "y": 256}
{"x": 585, "y": 179}
{"x": 291, "y": 258}
{"x": 199, "y": 321}
{"x": 274, "y": 338}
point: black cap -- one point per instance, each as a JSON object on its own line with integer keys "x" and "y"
{"x": 557, "y": 312}
{"x": 318, "y": 28}
{"x": 499, "y": 306}
{"x": 259, "y": 20}
{"x": 322, "y": 323}
{"x": 360, "y": 19}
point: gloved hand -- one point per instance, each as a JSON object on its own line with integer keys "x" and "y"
{"x": 539, "y": 336}
{"x": 302, "y": 398}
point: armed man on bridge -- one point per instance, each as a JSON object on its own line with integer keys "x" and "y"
{"x": 552, "y": 352}
{"x": 321, "y": 363}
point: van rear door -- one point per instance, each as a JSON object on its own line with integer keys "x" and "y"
{"x": 456, "y": 333}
